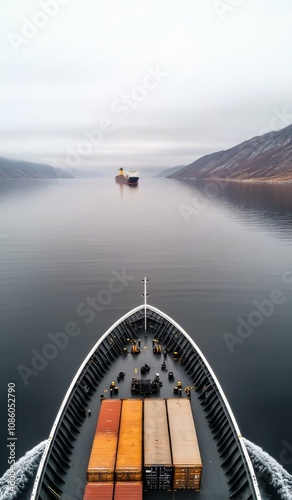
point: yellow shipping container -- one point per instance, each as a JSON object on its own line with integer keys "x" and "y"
{"x": 129, "y": 455}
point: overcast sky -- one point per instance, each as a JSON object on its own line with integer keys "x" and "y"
{"x": 141, "y": 83}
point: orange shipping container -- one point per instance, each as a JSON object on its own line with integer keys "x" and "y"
{"x": 129, "y": 455}
{"x": 99, "y": 491}
{"x": 102, "y": 460}
{"x": 131, "y": 490}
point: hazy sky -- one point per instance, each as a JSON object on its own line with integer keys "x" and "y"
{"x": 154, "y": 83}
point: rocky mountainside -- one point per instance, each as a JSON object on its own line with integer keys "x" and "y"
{"x": 14, "y": 169}
{"x": 264, "y": 158}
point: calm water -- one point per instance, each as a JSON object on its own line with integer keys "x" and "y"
{"x": 209, "y": 251}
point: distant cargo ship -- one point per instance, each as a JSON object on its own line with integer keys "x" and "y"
{"x": 131, "y": 178}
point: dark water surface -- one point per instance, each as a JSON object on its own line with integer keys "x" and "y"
{"x": 209, "y": 250}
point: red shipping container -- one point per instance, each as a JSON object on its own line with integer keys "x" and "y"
{"x": 104, "y": 447}
{"x": 109, "y": 416}
{"x": 99, "y": 491}
{"x": 128, "y": 490}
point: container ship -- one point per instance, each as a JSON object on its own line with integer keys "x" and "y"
{"x": 145, "y": 418}
{"x": 131, "y": 177}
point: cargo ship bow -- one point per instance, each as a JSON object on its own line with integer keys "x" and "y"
{"x": 145, "y": 418}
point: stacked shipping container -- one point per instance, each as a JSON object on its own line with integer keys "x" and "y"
{"x": 129, "y": 455}
{"x": 99, "y": 491}
{"x": 102, "y": 460}
{"x": 186, "y": 456}
{"x": 158, "y": 468}
{"x": 171, "y": 452}
{"x": 132, "y": 490}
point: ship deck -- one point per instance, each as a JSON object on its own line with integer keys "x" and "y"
{"x": 225, "y": 473}
{"x": 213, "y": 483}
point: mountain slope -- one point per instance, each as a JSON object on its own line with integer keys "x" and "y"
{"x": 168, "y": 171}
{"x": 14, "y": 169}
{"x": 263, "y": 158}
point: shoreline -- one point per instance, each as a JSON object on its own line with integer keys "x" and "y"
{"x": 245, "y": 181}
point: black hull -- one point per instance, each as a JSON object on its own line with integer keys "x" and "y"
{"x": 131, "y": 181}
{"x": 227, "y": 469}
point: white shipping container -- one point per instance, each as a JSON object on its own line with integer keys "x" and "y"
{"x": 186, "y": 455}
{"x": 156, "y": 436}
{"x": 158, "y": 469}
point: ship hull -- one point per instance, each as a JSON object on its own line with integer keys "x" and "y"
{"x": 128, "y": 347}
{"x": 130, "y": 181}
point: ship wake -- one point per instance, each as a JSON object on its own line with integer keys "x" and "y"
{"x": 18, "y": 478}
{"x": 274, "y": 481}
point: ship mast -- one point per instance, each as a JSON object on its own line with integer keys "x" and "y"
{"x": 145, "y": 295}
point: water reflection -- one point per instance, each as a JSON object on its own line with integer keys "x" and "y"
{"x": 253, "y": 203}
